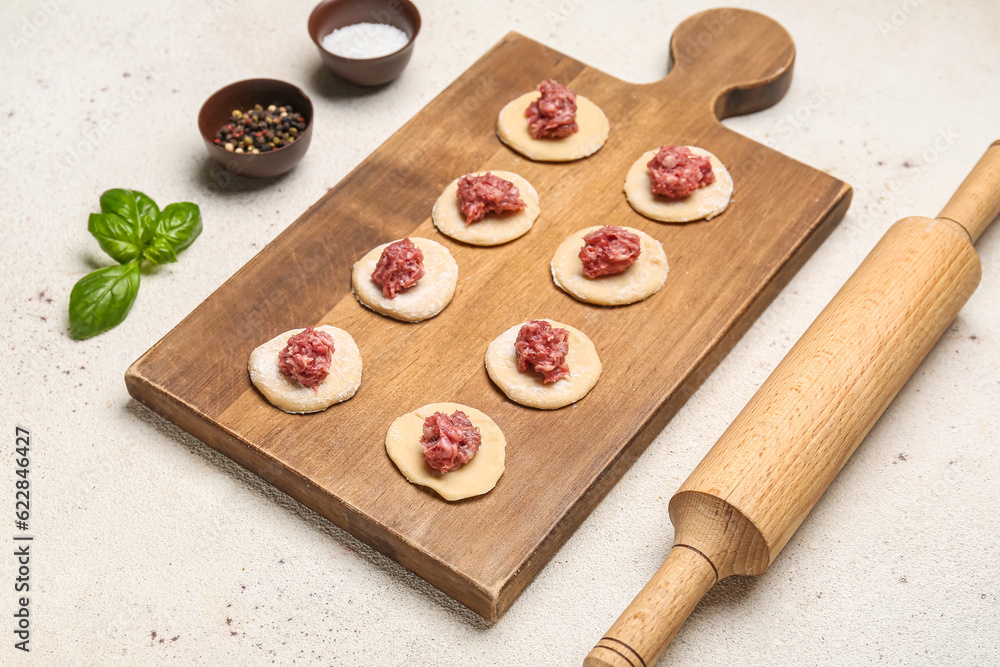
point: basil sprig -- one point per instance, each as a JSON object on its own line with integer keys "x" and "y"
{"x": 131, "y": 229}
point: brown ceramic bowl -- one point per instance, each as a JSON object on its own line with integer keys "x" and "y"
{"x": 243, "y": 95}
{"x": 330, "y": 15}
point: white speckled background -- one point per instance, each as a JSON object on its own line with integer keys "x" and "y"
{"x": 153, "y": 549}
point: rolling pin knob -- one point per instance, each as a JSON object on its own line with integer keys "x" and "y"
{"x": 712, "y": 540}
{"x": 657, "y": 613}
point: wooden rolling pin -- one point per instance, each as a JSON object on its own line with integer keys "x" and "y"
{"x": 747, "y": 497}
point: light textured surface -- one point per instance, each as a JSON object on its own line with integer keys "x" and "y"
{"x": 153, "y": 549}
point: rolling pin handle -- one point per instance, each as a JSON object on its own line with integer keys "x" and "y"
{"x": 646, "y": 627}
{"x": 976, "y": 203}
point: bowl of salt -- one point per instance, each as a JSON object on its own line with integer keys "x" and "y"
{"x": 367, "y": 42}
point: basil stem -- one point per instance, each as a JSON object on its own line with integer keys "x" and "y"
{"x": 102, "y": 299}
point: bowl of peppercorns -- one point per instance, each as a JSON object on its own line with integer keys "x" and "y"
{"x": 257, "y": 127}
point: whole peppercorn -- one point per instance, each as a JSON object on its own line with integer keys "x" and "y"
{"x": 258, "y": 130}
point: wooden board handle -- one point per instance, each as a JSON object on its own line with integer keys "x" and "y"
{"x": 657, "y": 613}
{"x": 735, "y": 60}
{"x": 976, "y": 203}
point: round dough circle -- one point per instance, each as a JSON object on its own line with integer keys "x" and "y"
{"x": 425, "y": 299}
{"x": 479, "y": 475}
{"x": 641, "y": 280}
{"x": 512, "y": 128}
{"x": 289, "y": 394}
{"x": 493, "y": 229}
{"x": 527, "y": 388}
{"x": 706, "y": 202}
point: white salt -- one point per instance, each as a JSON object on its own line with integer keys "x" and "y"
{"x": 365, "y": 40}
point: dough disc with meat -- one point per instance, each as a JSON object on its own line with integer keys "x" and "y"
{"x": 641, "y": 280}
{"x": 287, "y": 393}
{"x": 479, "y": 475}
{"x": 512, "y": 128}
{"x": 493, "y": 229}
{"x": 526, "y": 388}
{"x": 425, "y": 299}
{"x": 706, "y": 202}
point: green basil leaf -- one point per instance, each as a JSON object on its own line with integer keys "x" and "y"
{"x": 160, "y": 251}
{"x": 117, "y": 237}
{"x": 134, "y": 207}
{"x": 102, "y": 299}
{"x": 177, "y": 227}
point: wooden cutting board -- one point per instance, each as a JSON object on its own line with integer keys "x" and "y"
{"x": 484, "y": 551}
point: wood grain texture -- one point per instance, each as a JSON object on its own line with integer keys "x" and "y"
{"x": 669, "y": 597}
{"x": 782, "y": 451}
{"x": 750, "y": 493}
{"x": 976, "y": 203}
{"x": 484, "y": 551}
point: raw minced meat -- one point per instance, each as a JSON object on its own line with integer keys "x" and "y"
{"x": 449, "y": 442}
{"x": 542, "y": 348}
{"x": 488, "y": 193}
{"x": 609, "y": 251}
{"x": 675, "y": 172}
{"x": 307, "y": 357}
{"x": 553, "y": 115}
{"x": 399, "y": 268}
